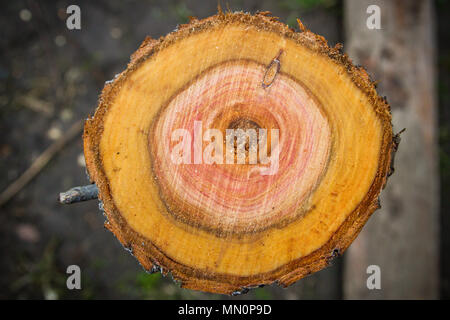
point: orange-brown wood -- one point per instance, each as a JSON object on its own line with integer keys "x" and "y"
{"x": 219, "y": 220}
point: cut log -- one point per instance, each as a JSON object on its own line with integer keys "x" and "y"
{"x": 224, "y": 215}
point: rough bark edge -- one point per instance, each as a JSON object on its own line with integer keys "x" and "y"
{"x": 151, "y": 257}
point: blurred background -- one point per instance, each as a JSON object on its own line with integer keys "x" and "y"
{"x": 50, "y": 78}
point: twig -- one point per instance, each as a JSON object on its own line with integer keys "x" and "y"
{"x": 79, "y": 194}
{"x": 40, "y": 163}
{"x": 36, "y": 104}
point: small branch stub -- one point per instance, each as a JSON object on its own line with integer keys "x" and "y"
{"x": 78, "y": 194}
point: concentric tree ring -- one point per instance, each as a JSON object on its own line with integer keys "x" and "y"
{"x": 240, "y": 198}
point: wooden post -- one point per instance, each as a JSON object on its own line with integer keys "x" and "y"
{"x": 402, "y": 238}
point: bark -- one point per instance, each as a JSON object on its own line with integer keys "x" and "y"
{"x": 402, "y": 238}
